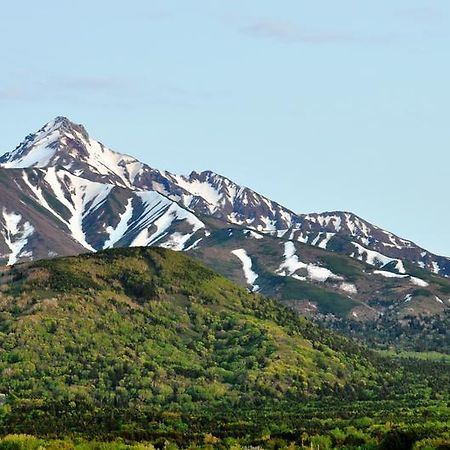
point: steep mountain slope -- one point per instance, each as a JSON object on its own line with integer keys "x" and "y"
{"x": 347, "y": 233}
{"x": 27, "y": 229}
{"x": 49, "y": 212}
{"x": 61, "y": 143}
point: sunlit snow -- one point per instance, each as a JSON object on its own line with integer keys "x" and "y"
{"x": 419, "y": 282}
{"x": 246, "y": 261}
{"x": 115, "y": 234}
{"x": 161, "y": 213}
{"x": 386, "y": 274}
{"x": 15, "y": 235}
{"x": 348, "y": 287}
{"x": 375, "y": 258}
{"x": 292, "y": 264}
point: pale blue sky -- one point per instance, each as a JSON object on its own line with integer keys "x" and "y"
{"x": 327, "y": 105}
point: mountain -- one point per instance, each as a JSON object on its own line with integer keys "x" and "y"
{"x": 63, "y": 193}
{"x": 65, "y": 145}
{"x": 62, "y": 143}
{"x": 347, "y": 233}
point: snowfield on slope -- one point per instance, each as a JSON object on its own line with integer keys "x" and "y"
{"x": 115, "y": 234}
{"x": 375, "y": 258}
{"x": 85, "y": 197}
{"x": 162, "y": 213}
{"x": 247, "y": 264}
{"x": 292, "y": 264}
{"x": 15, "y": 235}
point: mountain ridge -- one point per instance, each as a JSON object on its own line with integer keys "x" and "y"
{"x": 76, "y": 195}
{"x": 66, "y": 144}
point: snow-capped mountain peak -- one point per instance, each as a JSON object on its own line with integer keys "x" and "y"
{"x": 63, "y": 143}
{"x": 38, "y": 149}
{"x": 63, "y": 125}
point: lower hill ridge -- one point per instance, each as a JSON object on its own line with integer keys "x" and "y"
{"x": 125, "y": 340}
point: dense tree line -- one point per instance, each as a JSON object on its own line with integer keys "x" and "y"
{"x": 421, "y": 333}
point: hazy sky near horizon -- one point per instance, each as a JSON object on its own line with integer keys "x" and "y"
{"x": 320, "y": 106}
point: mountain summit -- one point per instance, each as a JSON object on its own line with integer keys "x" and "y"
{"x": 62, "y": 143}
{"x": 45, "y": 147}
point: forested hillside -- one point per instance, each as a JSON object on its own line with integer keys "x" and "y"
{"x": 147, "y": 343}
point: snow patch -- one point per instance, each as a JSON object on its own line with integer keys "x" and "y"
{"x": 200, "y": 189}
{"x": 160, "y": 212}
{"x": 418, "y": 282}
{"x": 35, "y": 153}
{"x": 269, "y": 225}
{"x": 193, "y": 246}
{"x": 255, "y": 235}
{"x": 281, "y": 233}
{"x": 348, "y": 287}
{"x": 291, "y": 264}
{"x": 408, "y": 298}
{"x": 321, "y": 274}
{"x": 386, "y": 274}
{"x": 301, "y": 238}
{"x": 115, "y": 234}
{"x": 326, "y": 239}
{"x": 176, "y": 241}
{"x": 375, "y": 258}
{"x": 85, "y": 197}
{"x": 16, "y": 236}
{"x": 246, "y": 261}
{"x": 435, "y": 267}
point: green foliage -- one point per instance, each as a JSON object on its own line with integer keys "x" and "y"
{"x": 342, "y": 265}
{"x": 327, "y": 301}
{"x": 422, "y": 293}
{"x": 28, "y": 442}
{"x": 20, "y": 442}
{"x": 321, "y": 442}
{"x": 422, "y": 333}
{"x": 149, "y": 345}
